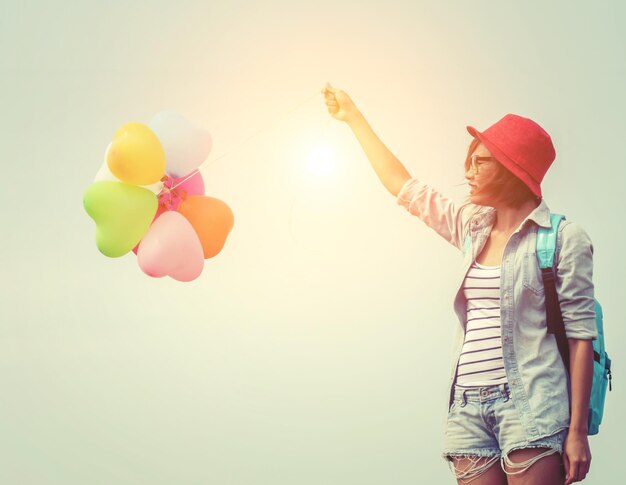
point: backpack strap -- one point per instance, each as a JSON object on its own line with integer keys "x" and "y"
{"x": 546, "y": 247}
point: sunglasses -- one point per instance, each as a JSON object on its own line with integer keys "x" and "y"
{"x": 475, "y": 162}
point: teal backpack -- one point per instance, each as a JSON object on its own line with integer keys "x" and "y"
{"x": 546, "y": 245}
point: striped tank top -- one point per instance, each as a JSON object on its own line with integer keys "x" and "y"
{"x": 481, "y": 362}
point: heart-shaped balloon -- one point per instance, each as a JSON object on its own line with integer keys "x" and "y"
{"x": 160, "y": 210}
{"x": 136, "y": 155}
{"x": 122, "y": 213}
{"x": 171, "y": 248}
{"x": 174, "y": 191}
{"x": 212, "y": 220}
{"x": 104, "y": 173}
{"x": 186, "y": 145}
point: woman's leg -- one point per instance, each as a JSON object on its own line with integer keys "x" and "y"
{"x": 534, "y": 466}
{"x": 527, "y": 462}
{"x": 471, "y": 448}
{"x": 478, "y": 470}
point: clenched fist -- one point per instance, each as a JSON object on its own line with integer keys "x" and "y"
{"x": 339, "y": 104}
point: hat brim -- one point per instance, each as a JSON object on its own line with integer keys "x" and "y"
{"x": 502, "y": 157}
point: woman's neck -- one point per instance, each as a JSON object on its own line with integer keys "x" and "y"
{"x": 509, "y": 218}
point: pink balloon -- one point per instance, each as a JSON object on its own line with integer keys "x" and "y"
{"x": 174, "y": 192}
{"x": 171, "y": 248}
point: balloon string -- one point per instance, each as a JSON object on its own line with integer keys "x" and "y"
{"x": 256, "y": 133}
{"x": 196, "y": 171}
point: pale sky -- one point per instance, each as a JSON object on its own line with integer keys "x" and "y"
{"x": 314, "y": 349}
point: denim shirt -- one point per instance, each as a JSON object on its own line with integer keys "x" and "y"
{"x": 532, "y": 363}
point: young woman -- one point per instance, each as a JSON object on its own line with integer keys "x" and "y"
{"x": 510, "y": 397}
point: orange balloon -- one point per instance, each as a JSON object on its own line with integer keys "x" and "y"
{"x": 211, "y": 218}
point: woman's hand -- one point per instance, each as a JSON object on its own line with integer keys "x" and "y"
{"x": 339, "y": 104}
{"x": 576, "y": 457}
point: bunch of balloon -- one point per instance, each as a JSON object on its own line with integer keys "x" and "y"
{"x": 148, "y": 197}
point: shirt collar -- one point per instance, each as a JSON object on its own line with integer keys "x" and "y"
{"x": 540, "y": 215}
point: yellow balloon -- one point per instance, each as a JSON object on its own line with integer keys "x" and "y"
{"x": 136, "y": 155}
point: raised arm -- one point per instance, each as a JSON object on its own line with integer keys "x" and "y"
{"x": 441, "y": 214}
{"x": 389, "y": 169}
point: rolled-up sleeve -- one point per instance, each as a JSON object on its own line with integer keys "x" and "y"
{"x": 435, "y": 210}
{"x": 574, "y": 282}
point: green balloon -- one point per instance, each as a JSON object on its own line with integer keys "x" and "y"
{"x": 122, "y": 213}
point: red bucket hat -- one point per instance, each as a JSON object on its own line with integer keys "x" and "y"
{"x": 522, "y": 146}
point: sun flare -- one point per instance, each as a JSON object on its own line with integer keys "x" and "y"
{"x": 321, "y": 161}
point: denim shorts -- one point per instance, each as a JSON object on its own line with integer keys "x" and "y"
{"x": 484, "y": 422}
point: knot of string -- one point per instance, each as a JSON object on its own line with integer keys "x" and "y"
{"x": 170, "y": 196}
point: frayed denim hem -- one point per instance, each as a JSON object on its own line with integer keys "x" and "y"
{"x": 473, "y": 465}
{"x": 553, "y": 443}
{"x": 554, "y": 440}
{"x": 447, "y": 455}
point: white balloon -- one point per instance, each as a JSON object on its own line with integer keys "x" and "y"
{"x": 186, "y": 145}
